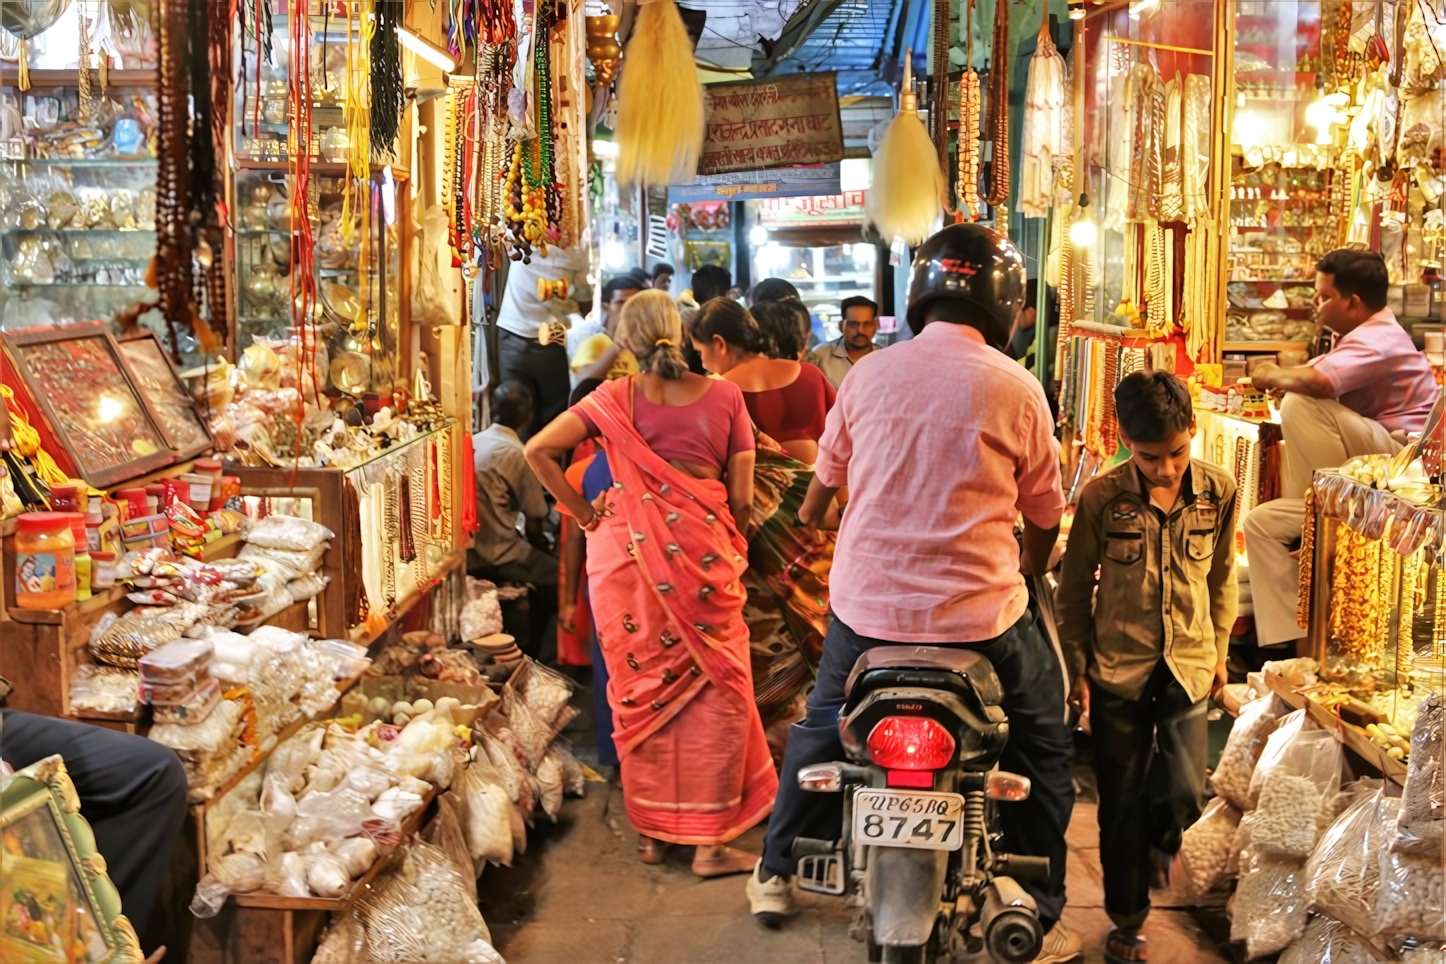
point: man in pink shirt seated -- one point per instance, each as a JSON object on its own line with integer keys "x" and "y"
{"x": 948, "y": 419}
{"x": 1361, "y": 398}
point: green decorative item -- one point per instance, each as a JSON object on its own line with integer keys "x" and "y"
{"x": 56, "y": 903}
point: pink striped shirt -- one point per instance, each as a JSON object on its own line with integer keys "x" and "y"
{"x": 942, "y": 442}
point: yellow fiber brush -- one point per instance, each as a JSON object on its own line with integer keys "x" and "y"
{"x": 907, "y": 192}
{"x": 660, "y": 102}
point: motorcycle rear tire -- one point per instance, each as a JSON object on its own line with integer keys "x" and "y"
{"x": 926, "y": 954}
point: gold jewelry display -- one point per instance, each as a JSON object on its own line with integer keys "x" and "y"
{"x": 1405, "y": 636}
{"x": 1355, "y": 597}
{"x": 1385, "y": 594}
{"x": 1307, "y": 559}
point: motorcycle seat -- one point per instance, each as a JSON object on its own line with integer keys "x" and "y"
{"x": 895, "y": 665}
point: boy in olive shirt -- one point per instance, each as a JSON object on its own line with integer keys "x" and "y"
{"x": 1145, "y": 606}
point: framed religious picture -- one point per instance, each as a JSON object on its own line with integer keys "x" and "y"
{"x": 77, "y": 377}
{"x": 57, "y": 906}
{"x": 155, "y": 375}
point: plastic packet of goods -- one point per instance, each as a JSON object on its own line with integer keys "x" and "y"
{"x": 1423, "y": 811}
{"x": 481, "y": 614}
{"x": 545, "y": 691}
{"x": 574, "y": 781}
{"x": 1301, "y": 748}
{"x": 1343, "y": 875}
{"x": 1270, "y": 908}
{"x": 178, "y": 660}
{"x": 533, "y": 733}
{"x": 287, "y": 532}
{"x": 1205, "y": 846}
{"x": 487, "y": 819}
{"x": 306, "y": 586}
{"x": 329, "y": 816}
{"x": 103, "y": 689}
{"x": 1288, "y": 815}
{"x": 358, "y": 853}
{"x": 214, "y": 734}
{"x": 346, "y": 659}
{"x": 191, "y": 710}
{"x": 133, "y": 635}
{"x": 1409, "y": 902}
{"x": 1327, "y": 941}
{"x": 287, "y": 875}
{"x": 1257, "y": 721}
{"x": 283, "y": 563}
{"x": 326, "y": 873}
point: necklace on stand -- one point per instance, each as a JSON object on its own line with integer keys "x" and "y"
{"x": 1307, "y": 560}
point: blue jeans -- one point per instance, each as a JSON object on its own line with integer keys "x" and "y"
{"x": 1039, "y": 747}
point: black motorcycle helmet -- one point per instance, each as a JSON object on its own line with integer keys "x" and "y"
{"x": 975, "y": 265}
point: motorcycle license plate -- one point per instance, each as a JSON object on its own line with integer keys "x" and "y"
{"x": 916, "y": 819}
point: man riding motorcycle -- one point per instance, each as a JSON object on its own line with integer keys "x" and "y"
{"x": 942, "y": 442}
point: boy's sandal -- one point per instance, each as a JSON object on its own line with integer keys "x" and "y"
{"x": 1118, "y": 938}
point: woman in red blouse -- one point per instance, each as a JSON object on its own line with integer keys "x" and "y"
{"x": 787, "y": 399}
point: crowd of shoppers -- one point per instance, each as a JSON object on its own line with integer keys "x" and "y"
{"x": 712, "y": 451}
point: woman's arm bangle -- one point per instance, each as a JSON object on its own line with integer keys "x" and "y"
{"x": 592, "y": 523}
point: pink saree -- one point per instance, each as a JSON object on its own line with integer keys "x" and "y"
{"x": 664, "y": 571}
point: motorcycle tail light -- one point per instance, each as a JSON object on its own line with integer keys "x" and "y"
{"x": 912, "y": 779}
{"x": 999, "y": 785}
{"x": 910, "y": 743}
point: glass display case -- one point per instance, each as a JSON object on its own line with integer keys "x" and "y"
{"x": 77, "y": 198}
{"x": 1281, "y": 176}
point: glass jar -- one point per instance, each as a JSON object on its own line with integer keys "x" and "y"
{"x": 44, "y": 561}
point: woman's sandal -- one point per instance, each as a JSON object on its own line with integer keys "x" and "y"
{"x": 725, "y": 862}
{"x": 1118, "y": 938}
{"x": 652, "y": 851}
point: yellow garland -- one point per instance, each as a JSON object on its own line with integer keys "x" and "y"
{"x": 27, "y": 443}
{"x": 356, "y": 114}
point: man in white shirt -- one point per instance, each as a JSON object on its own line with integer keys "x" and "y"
{"x": 860, "y": 325}
{"x": 522, "y": 357}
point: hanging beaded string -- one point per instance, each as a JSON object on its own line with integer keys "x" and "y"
{"x": 998, "y": 195}
{"x": 1307, "y": 560}
{"x": 546, "y": 174}
{"x": 356, "y": 113}
{"x": 967, "y": 187}
{"x": 303, "y": 276}
{"x": 1405, "y": 630}
{"x": 386, "y": 79}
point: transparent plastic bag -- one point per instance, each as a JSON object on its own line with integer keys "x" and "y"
{"x": 326, "y": 873}
{"x": 359, "y": 853}
{"x": 1205, "y": 846}
{"x": 487, "y": 822}
{"x": 1257, "y": 721}
{"x": 549, "y": 784}
{"x": 1301, "y": 748}
{"x": 481, "y": 610}
{"x": 421, "y": 914}
{"x": 1410, "y": 903}
{"x": 306, "y": 586}
{"x": 345, "y": 941}
{"x": 288, "y": 532}
{"x": 1270, "y": 907}
{"x": 1423, "y": 810}
{"x": 1326, "y": 941}
{"x": 104, "y": 689}
{"x": 1288, "y": 815}
{"x": 545, "y": 691}
{"x": 1343, "y": 875}
{"x": 284, "y": 564}
{"x": 287, "y": 875}
{"x": 329, "y": 816}
{"x": 533, "y": 733}
{"x": 1240, "y": 844}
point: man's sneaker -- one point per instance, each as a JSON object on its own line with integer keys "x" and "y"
{"x": 1060, "y": 944}
{"x": 771, "y": 901}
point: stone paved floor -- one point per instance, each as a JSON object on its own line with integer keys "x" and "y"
{"x": 580, "y": 896}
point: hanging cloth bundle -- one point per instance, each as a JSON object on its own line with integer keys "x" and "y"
{"x": 1043, "y": 139}
{"x": 905, "y": 197}
{"x": 660, "y": 102}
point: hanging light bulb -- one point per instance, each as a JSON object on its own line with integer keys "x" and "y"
{"x": 758, "y": 235}
{"x": 1083, "y": 233}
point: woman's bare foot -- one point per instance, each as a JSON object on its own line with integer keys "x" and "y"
{"x": 1126, "y": 946}
{"x": 650, "y": 850}
{"x": 720, "y": 861}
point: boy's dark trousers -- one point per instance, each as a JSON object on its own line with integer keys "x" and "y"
{"x": 1150, "y": 766}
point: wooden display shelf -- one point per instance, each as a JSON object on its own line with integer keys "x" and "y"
{"x": 1265, "y": 346}
{"x": 365, "y": 637}
{"x": 362, "y": 884}
{"x": 71, "y": 78}
{"x": 1349, "y": 734}
{"x": 321, "y": 168}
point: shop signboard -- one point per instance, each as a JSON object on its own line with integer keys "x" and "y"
{"x": 758, "y": 185}
{"x": 780, "y": 122}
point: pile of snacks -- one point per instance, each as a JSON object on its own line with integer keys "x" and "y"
{"x": 287, "y": 551}
{"x": 176, "y": 681}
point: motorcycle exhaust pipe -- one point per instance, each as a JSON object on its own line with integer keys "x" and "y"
{"x": 1010, "y": 922}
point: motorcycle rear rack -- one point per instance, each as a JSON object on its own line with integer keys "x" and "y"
{"x": 821, "y": 874}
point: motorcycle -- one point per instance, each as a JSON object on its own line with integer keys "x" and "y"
{"x": 923, "y": 729}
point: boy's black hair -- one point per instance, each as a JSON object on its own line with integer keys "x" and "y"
{"x": 634, "y": 279}
{"x": 1152, "y": 406}
{"x": 660, "y": 269}
{"x": 1357, "y": 273}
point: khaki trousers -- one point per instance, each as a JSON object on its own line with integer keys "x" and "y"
{"x": 1320, "y": 433}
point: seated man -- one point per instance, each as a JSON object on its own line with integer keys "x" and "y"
{"x": 507, "y": 488}
{"x": 1360, "y": 398}
{"x": 132, "y": 793}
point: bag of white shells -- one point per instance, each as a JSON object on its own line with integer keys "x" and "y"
{"x": 1257, "y": 721}
{"x": 1294, "y": 788}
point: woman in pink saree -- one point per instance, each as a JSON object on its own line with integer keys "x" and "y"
{"x": 664, "y": 561}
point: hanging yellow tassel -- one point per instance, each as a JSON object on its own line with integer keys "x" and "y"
{"x": 906, "y": 195}
{"x": 24, "y": 64}
{"x": 27, "y": 439}
{"x": 660, "y": 102}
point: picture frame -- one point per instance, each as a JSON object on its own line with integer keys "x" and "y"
{"x": 80, "y": 381}
{"x": 154, "y": 372}
{"x": 56, "y": 903}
